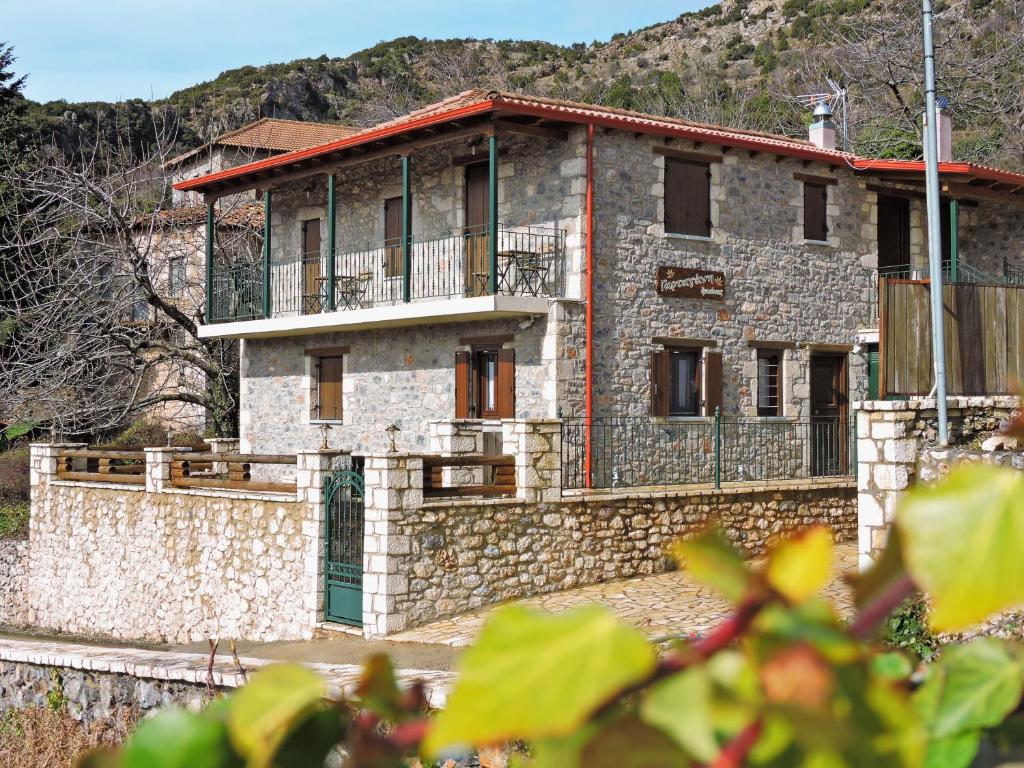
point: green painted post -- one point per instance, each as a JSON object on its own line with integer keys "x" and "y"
{"x": 209, "y": 262}
{"x": 492, "y": 215}
{"x": 718, "y": 448}
{"x": 406, "y": 233}
{"x": 954, "y": 237}
{"x": 330, "y": 243}
{"x": 266, "y": 254}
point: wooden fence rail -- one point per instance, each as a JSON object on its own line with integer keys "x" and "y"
{"x": 984, "y": 332}
{"x": 499, "y": 474}
{"x": 228, "y": 471}
{"x": 103, "y": 465}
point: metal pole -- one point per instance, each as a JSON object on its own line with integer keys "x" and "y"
{"x": 266, "y": 254}
{"x": 406, "y": 232}
{"x": 209, "y": 262}
{"x": 492, "y": 214}
{"x": 331, "y": 255}
{"x": 718, "y": 448}
{"x": 931, "y": 164}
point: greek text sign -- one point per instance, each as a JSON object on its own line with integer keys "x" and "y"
{"x": 682, "y": 283}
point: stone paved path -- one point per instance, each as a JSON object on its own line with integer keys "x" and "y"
{"x": 666, "y": 604}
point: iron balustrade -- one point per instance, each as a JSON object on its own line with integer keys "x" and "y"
{"x": 449, "y": 264}
{"x": 636, "y": 451}
{"x": 958, "y": 272}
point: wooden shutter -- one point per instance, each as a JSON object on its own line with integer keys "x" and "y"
{"x": 330, "y": 388}
{"x": 815, "y": 202}
{"x": 712, "y": 382}
{"x": 687, "y": 197}
{"x": 660, "y": 387}
{"x": 506, "y": 384}
{"x": 393, "y": 236}
{"x": 462, "y": 385}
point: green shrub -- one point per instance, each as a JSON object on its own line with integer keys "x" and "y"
{"x": 906, "y": 629}
{"x": 149, "y": 434}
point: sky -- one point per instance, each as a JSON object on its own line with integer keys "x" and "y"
{"x": 109, "y": 50}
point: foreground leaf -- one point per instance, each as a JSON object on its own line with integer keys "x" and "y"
{"x": 629, "y": 743}
{"x": 962, "y": 540}
{"x": 710, "y": 558}
{"x": 799, "y": 566}
{"x": 953, "y": 751}
{"x": 533, "y": 674}
{"x": 681, "y": 707}
{"x": 276, "y": 701}
{"x": 884, "y": 571}
{"x": 971, "y": 687}
{"x": 176, "y": 738}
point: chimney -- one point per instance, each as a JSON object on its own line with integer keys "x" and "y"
{"x": 943, "y": 130}
{"x": 823, "y": 130}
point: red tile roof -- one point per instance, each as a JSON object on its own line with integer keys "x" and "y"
{"x": 480, "y": 101}
{"x": 246, "y": 215}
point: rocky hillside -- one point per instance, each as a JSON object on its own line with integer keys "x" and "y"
{"x": 741, "y": 62}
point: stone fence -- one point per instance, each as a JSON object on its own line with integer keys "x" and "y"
{"x": 897, "y": 444}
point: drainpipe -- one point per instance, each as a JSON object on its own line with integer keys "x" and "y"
{"x": 589, "y": 384}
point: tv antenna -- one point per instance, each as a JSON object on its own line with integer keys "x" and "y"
{"x": 837, "y": 97}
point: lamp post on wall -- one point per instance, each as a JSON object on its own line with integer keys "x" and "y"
{"x": 931, "y": 167}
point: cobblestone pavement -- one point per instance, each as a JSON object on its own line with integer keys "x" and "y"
{"x": 666, "y": 604}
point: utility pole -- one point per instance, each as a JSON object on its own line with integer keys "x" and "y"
{"x": 931, "y": 168}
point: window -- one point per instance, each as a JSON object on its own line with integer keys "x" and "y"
{"x": 176, "y": 276}
{"x": 685, "y": 382}
{"x": 327, "y": 406}
{"x": 393, "y": 237}
{"x": 687, "y": 197}
{"x": 769, "y": 382}
{"x": 815, "y": 211}
{"x": 485, "y": 384}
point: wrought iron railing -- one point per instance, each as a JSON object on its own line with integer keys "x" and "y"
{"x": 958, "y": 272}
{"x": 632, "y": 451}
{"x": 530, "y": 259}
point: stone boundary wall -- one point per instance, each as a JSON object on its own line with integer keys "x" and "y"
{"x": 444, "y": 559}
{"x": 98, "y": 682}
{"x": 892, "y": 439}
{"x": 13, "y": 570}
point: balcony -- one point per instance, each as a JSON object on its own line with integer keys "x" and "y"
{"x": 449, "y": 278}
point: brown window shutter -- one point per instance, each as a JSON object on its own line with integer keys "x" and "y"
{"x": 330, "y": 388}
{"x": 712, "y": 382}
{"x": 393, "y": 237}
{"x": 675, "y": 192}
{"x": 659, "y": 383}
{"x": 815, "y": 202}
{"x": 462, "y": 385}
{"x": 687, "y": 197}
{"x": 506, "y": 383}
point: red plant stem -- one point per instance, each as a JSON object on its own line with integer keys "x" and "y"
{"x": 408, "y": 735}
{"x": 735, "y": 752}
{"x": 875, "y": 612}
{"x": 718, "y": 638}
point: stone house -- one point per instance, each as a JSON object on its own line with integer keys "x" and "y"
{"x": 498, "y": 256}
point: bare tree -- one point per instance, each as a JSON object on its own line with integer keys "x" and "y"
{"x": 106, "y": 297}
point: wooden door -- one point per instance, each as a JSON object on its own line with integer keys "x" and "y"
{"x": 829, "y": 426}
{"x": 312, "y": 274}
{"x": 477, "y": 217}
{"x": 893, "y": 236}
{"x": 393, "y": 237}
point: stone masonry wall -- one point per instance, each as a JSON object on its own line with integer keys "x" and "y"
{"x": 892, "y": 439}
{"x": 13, "y": 570}
{"x": 461, "y": 555}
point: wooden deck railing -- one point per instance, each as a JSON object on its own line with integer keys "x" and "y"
{"x": 228, "y": 471}
{"x": 499, "y": 475}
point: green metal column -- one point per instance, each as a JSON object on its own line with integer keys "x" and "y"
{"x": 330, "y": 243}
{"x": 266, "y": 254}
{"x": 718, "y": 448}
{"x": 492, "y": 215}
{"x": 209, "y": 262}
{"x": 954, "y": 238}
{"x": 406, "y": 232}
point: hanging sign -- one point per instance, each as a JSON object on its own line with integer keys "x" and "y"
{"x": 683, "y": 283}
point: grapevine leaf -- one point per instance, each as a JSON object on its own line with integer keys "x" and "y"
{"x": 102, "y": 757}
{"x": 710, "y": 558}
{"x": 681, "y": 707}
{"x": 532, "y": 674}
{"x": 378, "y": 688}
{"x": 953, "y": 751}
{"x": 629, "y": 743}
{"x": 892, "y": 666}
{"x": 262, "y": 714}
{"x": 561, "y": 751}
{"x": 962, "y": 539}
{"x": 798, "y": 567}
{"x": 176, "y": 738}
{"x": 970, "y": 687}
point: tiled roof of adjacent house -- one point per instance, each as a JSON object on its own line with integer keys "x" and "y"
{"x": 477, "y": 102}
{"x": 246, "y": 215}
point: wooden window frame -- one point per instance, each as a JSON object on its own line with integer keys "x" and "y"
{"x": 317, "y": 358}
{"x": 810, "y": 233}
{"x": 671, "y": 229}
{"x": 776, "y": 354}
{"x": 176, "y": 276}
{"x": 469, "y": 383}
{"x": 708, "y": 381}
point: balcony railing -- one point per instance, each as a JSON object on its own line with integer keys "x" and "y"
{"x": 530, "y": 262}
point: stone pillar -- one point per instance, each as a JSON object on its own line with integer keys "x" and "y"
{"x": 394, "y": 488}
{"x": 537, "y": 446}
{"x": 158, "y": 467}
{"x": 43, "y": 460}
{"x": 886, "y": 459}
{"x": 461, "y": 437}
{"x": 223, "y": 445}
{"x": 311, "y": 471}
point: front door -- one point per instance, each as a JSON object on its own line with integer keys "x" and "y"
{"x": 343, "y": 546}
{"x": 829, "y": 427}
{"x": 313, "y": 285}
{"x": 477, "y": 217}
{"x": 893, "y": 236}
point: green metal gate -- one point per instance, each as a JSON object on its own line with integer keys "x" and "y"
{"x": 343, "y": 548}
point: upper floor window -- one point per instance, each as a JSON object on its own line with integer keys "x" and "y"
{"x": 815, "y": 211}
{"x": 687, "y": 197}
{"x": 769, "y": 382}
{"x": 176, "y": 276}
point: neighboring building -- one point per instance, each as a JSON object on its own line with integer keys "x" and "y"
{"x": 435, "y": 267}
